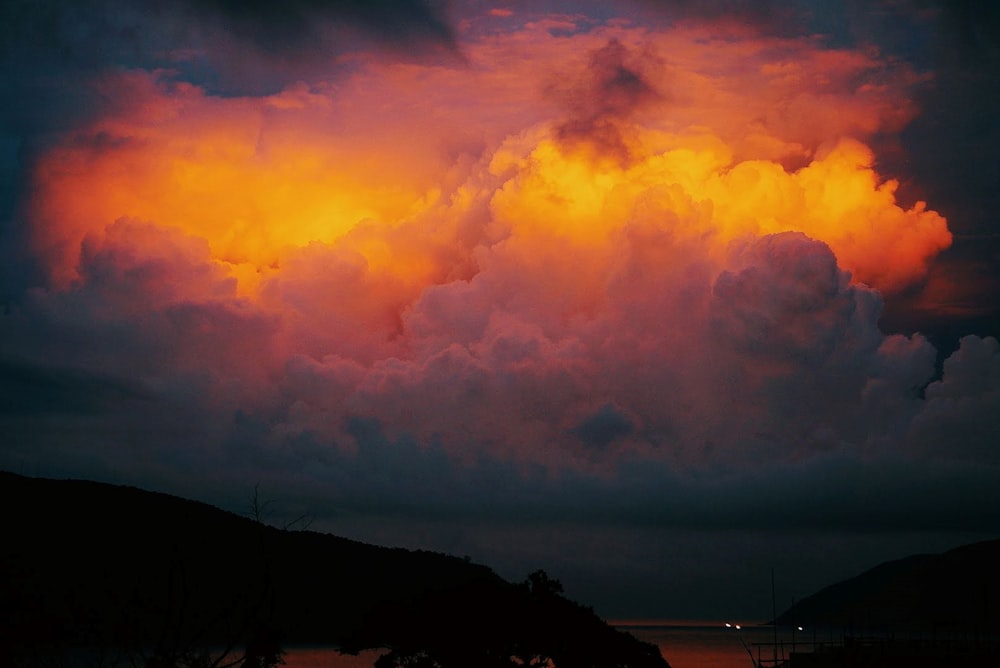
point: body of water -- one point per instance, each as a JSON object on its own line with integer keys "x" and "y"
{"x": 320, "y": 657}
{"x": 709, "y": 644}
{"x": 684, "y": 644}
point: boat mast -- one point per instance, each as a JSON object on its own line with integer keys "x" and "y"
{"x": 774, "y": 620}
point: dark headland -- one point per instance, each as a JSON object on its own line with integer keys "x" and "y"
{"x": 922, "y": 611}
{"x": 958, "y": 591}
{"x": 108, "y": 571}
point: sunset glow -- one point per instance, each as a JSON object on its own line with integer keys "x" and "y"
{"x": 671, "y": 133}
{"x": 497, "y": 262}
{"x": 349, "y": 230}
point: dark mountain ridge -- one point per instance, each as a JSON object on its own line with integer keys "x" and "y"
{"x": 955, "y": 591}
{"x": 86, "y": 564}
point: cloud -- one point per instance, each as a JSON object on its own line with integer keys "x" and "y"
{"x": 119, "y": 32}
{"x": 31, "y": 390}
{"x": 603, "y": 427}
{"x": 593, "y": 273}
{"x": 611, "y": 90}
{"x": 958, "y": 422}
{"x": 296, "y": 26}
{"x": 495, "y": 290}
{"x": 761, "y": 15}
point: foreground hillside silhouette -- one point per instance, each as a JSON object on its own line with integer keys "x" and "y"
{"x": 117, "y": 573}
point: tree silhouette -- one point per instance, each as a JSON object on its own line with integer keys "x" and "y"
{"x": 540, "y": 584}
{"x": 525, "y": 625}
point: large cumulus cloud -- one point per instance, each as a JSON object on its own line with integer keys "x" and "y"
{"x": 589, "y": 273}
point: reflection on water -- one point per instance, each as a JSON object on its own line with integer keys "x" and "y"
{"x": 711, "y": 645}
{"x": 684, "y": 644}
{"x": 324, "y": 657}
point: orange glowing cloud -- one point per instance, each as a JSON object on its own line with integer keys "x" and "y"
{"x": 239, "y": 173}
{"x": 837, "y": 198}
{"x": 574, "y": 236}
{"x": 260, "y": 177}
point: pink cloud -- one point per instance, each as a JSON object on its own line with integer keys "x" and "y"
{"x": 492, "y": 260}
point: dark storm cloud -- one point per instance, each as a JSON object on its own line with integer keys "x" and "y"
{"x": 760, "y": 13}
{"x": 612, "y": 89}
{"x": 297, "y": 24}
{"x": 603, "y": 427}
{"x": 972, "y": 26}
{"x": 91, "y": 32}
{"x": 47, "y": 45}
{"x": 948, "y": 153}
{"x": 949, "y": 157}
{"x": 800, "y": 451}
{"x": 31, "y": 389}
{"x": 375, "y": 475}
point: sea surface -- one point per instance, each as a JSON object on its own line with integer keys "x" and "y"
{"x": 711, "y": 644}
{"x": 684, "y": 644}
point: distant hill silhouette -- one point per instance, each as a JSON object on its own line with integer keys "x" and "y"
{"x": 958, "y": 590}
{"x": 86, "y": 564}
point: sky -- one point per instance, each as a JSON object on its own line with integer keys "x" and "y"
{"x": 655, "y": 295}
